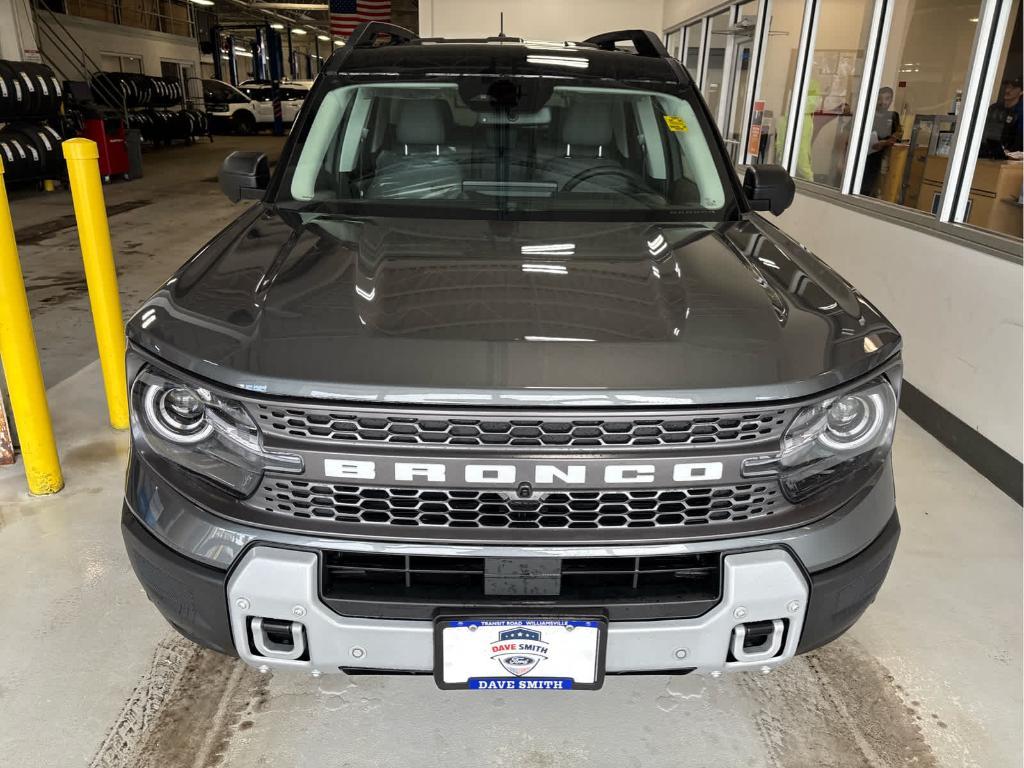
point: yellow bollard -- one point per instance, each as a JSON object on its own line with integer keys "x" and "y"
{"x": 100, "y": 274}
{"x": 21, "y": 365}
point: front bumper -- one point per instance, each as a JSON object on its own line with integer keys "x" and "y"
{"x": 215, "y": 608}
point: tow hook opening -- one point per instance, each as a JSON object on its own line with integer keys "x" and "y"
{"x": 757, "y": 640}
{"x": 278, "y": 639}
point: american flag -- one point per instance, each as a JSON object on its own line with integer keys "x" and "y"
{"x": 346, "y": 15}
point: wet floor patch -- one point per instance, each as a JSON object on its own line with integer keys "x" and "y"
{"x": 184, "y": 710}
{"x": 36, "y": 233}
{"x": 837, "y": 707}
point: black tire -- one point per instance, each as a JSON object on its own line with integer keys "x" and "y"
{"x": 244, "y": 123}
{"x": 15, "y": 102}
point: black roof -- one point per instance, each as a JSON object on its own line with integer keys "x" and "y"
{"x": 596, "y": 58}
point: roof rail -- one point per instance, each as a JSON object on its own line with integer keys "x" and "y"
{"x": 364, "y": 35}
{"x": 646, "y": 43}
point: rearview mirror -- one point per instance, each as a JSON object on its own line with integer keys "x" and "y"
{"x": 768, "y": 188}
{"x": 244, "y": 176}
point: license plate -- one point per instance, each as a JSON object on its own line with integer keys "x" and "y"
{"x": 520, "y": 654}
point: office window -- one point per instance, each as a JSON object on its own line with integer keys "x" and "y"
{"x": 714, "y": 61}
{"x": 917, "y": 107}
{"x": 779, "y": 71}
{"x": 120, "y": 62}
{"x": 672, "y": 41}
{"x": 994, "y": 202}
{"x": 691, "y": 46}
{"x": 832, "y": 90}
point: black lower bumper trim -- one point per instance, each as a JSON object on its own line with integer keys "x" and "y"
{"x": 839, "y": 595}
{"x": 191, "y": 596}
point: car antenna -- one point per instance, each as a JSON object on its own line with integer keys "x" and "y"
{"x": 501, "y": 24}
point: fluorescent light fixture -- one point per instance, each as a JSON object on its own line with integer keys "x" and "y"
{"x": 574, "y": 62}
{"x": 325, "y": 38}
{"x": 298, "y": 31}
{"x": 657, "y": 245}
{"x": 242, "y": 52}
{"x": 553, "y": 338}
{"x": 364, "y": 294}
{"x": 277, "y": 25}
{"x": 339, "y": 42}
{"x": 202, "y": 2}
{"x": 555, "y": 249}
{"x": 551, "y": 269}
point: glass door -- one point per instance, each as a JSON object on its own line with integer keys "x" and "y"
{"x": 743, "y": 48}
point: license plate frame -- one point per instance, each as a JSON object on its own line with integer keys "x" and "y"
{"x": 496, "y": 623}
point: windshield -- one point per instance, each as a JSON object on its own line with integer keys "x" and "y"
{"x": 217, "y": 92}
{"x": 508, "y": 146}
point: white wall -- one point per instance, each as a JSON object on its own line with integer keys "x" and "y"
{"x": 677, "y": 11}
{"x": 959, "y": 310}
{"x": 17, "y": 33}
{"x": 553, "y": 20}
{"x": 98, "y": 37}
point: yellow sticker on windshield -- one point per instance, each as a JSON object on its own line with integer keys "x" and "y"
{"x": 676, "y": 124}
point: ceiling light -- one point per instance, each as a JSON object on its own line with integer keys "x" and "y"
{"x": 551, "y": 269}
{"x": 559, "y": 61}
{"x": 339, "y": 42}
{"x": 973, "y": 21}
{"x": 203, "y": 2}
{"x": 276, "y": 25}
{"x": 554, "y": 249}
{"x": 298, "y": 31}
{"x": 553, "y": 338}
{"x": 325, "y": 38}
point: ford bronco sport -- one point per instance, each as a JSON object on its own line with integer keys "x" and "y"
{"x": 505, "y": 380}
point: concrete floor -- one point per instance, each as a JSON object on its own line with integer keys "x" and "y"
{"x": 92, "y": 676}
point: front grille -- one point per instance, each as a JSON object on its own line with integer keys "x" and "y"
{"x": 563, "y": 431}
{"x": 402, "y": 586}
{"x": 691, "y": 506}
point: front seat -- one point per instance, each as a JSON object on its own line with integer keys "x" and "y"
{"x": 419, "y": 165}
{"x": 588, "y": 142}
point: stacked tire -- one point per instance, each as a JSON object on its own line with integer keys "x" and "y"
{"x": 161, "y": 126}
{"x": 28, "y": 90}
{"x": 30, "y": 151}
{"x": 135, "y": 91}
{"x": 30, "y": 100}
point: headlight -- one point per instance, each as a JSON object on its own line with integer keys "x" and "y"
{"x": 211, "y": 435}
{"x": 833, "y": 439}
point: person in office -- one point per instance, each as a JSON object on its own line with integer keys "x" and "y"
{"x": 1004, "y": 124}
{"x": 885, "y": 131}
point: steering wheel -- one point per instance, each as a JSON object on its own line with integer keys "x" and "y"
{"x": 601, "y": 170}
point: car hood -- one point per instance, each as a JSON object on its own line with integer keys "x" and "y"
{"x": 470, "y": 311}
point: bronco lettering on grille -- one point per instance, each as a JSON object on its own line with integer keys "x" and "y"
{"x": 549, "y": 475}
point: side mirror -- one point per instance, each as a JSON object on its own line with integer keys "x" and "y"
{"x": 244, "y": 176}
{"x": 768, "y": 188}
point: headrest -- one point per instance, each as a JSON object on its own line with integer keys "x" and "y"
{"x": 422, "y": 121}
{"x": 588, "y": 124}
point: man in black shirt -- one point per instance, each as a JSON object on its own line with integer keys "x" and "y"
{"x": 885, "y": 131}
{"x": 1004, "y": 126}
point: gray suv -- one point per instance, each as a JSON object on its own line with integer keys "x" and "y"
{"x": 505, "y": 380}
